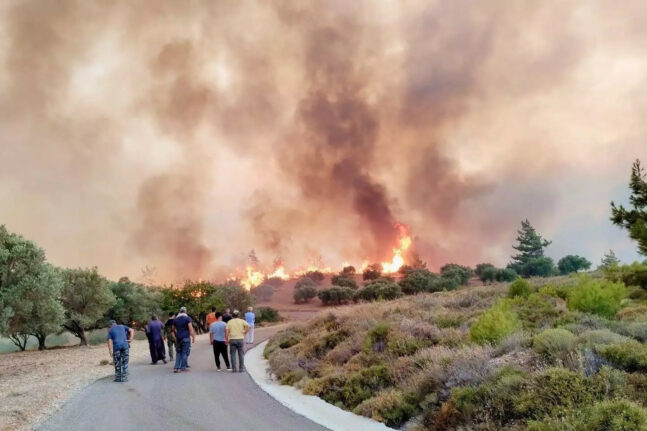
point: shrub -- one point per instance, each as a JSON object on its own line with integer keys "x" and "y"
{"x": 274, "y": 282}
{"x": 267, "y": 314}
{"x": 596, "y": 296}
{"x": 540, "y": 266}
{"x": 336, "y": 295}
{"x": 554, "y": 344}
{"x": 316, "y": 276}
{"x": 348, "y": 271}
{"x": 420, "y": 280}
{"x": 616, "y": 415}
{"x": 485, "y": 272}
{"x": 376, "y": 338}
{"x": 629, "y": 355}
{"x": 344, "y": 281}
{"x": 637, "y": 313}
{"x": 405, "y": 345}
{"x": 304, "y": 294}
{"x": 263, "y": 292}
{"x": 372, "y": 272}
{"x": 461, "y": 274}
{"x": 631, "y": 275}
{"x": 599, "y": 337}
{"x": 389, "y": 406}
{"x": 362, "y": 385}
{"x": 505, "y": 275}
{"x": 572, "y": 263}
{"x": 519, "y": 287}
{"x": 304, "y": 282}
{"x": 494, "y": 324}
{"x": 283, "y": 340}
{"x": 537, "y": 311}
{"x": 375, "y": 291}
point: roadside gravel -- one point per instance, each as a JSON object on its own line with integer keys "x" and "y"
{"x": 35, "y": 384}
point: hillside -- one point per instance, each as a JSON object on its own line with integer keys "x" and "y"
{"x": 544, "y": 358}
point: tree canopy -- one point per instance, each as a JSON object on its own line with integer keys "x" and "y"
{"x": 634, "y": 219}
{"x": 530, "y": 261}
{"x": 608, "y": 260}
{"x": 572, "y": 263}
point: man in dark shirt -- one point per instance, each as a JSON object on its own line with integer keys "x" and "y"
{"x": 227, "y": 316}
{"x": 170, "y": 342}
{"x": 119, "y": 337}
{"x": 184, "y": 335}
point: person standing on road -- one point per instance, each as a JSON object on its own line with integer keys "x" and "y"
{"x": 211, "y": 317}
{"x": 227, "y": 316}
{"x": 235, "y": 337}
{"x": 119, "y": 337}
{"x": 155, "y": 334}
{"x": 184, "y": 335}
{"x": 217, "y": 338}
{"x": 168, "y": 329}
{"x": 250, "y": 318}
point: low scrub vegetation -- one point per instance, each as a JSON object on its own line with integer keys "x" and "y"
{"x": 566, "y": 353}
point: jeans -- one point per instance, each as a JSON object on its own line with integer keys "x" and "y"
{"x": 237, "y": 346}
{"x": 120, "y": 358}
{"x": 220, "y": 348}
{"x": 249, "y": 337}
{"x": 183, "y": 352}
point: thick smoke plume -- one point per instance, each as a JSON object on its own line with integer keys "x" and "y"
{"x": 181, "y": 135}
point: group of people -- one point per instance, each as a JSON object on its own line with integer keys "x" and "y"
{"x": 226, "y": 330}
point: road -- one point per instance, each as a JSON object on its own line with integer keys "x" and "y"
{"x": 156, "y": 398}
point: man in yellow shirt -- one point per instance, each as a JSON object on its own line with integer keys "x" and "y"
{"x": 235, "y": 337}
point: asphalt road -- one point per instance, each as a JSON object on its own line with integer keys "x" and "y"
{"x": 155, "y": 398}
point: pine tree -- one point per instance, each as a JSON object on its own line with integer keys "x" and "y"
{"x": 635, "y": 219}
{"x": 531, "y": 244}
{"x": 608, "y": 260}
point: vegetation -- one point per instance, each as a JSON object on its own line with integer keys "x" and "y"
{"x": 530, "y": 261}
{"x": 342, "y": 280}
{"x": 634, "y": 220}
{"x": 372, "y": 272}
{"x": 336, "y": 295}
{"x": 566, "y": 353}
{"x": 263, "y": 292}
{"x": 609, "y": 260}
{"x": 460, "y": 274}
{"x": 304, "y": 290}
{"x": 572, "y": 263}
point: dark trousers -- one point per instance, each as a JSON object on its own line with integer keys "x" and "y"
{"x": 171, "y": 346}
{"x": 237, "y": 347}
{"x": 182, "y": 354}
{"x": 220, "y": 348}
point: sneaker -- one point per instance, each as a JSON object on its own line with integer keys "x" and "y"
{"x": 218, "y": 369}
{"x": 176, "y": 371}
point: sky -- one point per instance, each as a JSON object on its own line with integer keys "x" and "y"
{"x": 181, "y": 135}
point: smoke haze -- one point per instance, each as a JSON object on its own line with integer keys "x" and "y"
{"x": 181, "y": 135}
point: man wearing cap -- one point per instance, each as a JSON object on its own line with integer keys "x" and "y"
{"x": 119, "y": 337}
{"x": 235, "y": 337}
{"x": 184, "y": 335}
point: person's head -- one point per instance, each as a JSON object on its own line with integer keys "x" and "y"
{"x": 227, "y": 310}
{"x": 113, "y": 323}
{"x": 154, "y": 317}
{"x": 213, "y": 309}
{"x": 218, "y": 315}
{"x": 250, "y": 308}
{"x": 171, "y": 314}
{"x": 183, "y": 310}
{"x": 236, "y": 313}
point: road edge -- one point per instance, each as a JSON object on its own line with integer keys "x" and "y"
{"x": 309, "y": 406}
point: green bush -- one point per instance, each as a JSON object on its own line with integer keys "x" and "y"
{"x": 505, "y": 275}
{"x": 336, "y": 295}
{"x": 636, "y": 313}
{"x": 377, "y": 336}
{"x": 495, "y": 324}
{"x": 420, "y": 280}
{"x": 283, "y": 340}
{"x": 344, "y": 281}
{"x": 267, "y": 314}
{"x": 304, "y": 292}
{"x": 596, "y": 296}
{"x": 389, "y": 406}
{"x": 537, "y": 311}
{"x": 554, "y": 344}
{"x": 629, "y": 355}
{"x": 616, "y": 415}
{"x": 375, "y": 291}
{"x": 520, "y": 288}
{"x": 599, "y": 337}
{"x": 406, "y": 345}
{"x": 461, "y": 274}
{"x": 362, "y": 385}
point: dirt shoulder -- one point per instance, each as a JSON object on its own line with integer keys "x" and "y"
{"x": 35, "y": 384}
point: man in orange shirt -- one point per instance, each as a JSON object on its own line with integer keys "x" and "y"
{"x": 211, "y": 317}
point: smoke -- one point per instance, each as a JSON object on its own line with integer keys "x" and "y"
{"x": 183, "y": 135}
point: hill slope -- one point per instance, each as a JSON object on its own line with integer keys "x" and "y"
{"x": 474, "y": 359}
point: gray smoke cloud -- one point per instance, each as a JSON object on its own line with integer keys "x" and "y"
{"x": 183, "y": 135}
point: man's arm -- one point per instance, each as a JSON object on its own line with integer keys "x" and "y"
{"x": 173, "y": 334}
{"x": 227, "y": 335}
{"x": 110, "y": 346}
{"x": 192, "y": 332}
{"x": 131, "y": 334}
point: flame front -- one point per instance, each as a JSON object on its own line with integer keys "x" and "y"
{"x": 398, "y": 253}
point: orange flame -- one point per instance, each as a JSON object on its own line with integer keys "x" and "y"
{"x": 403, "y": 245}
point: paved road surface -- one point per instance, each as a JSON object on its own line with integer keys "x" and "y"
{"x": 155, "y": 398}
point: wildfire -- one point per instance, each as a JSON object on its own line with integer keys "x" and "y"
{"x": 404, "y": 243}
{"x": 253, "y": 276}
